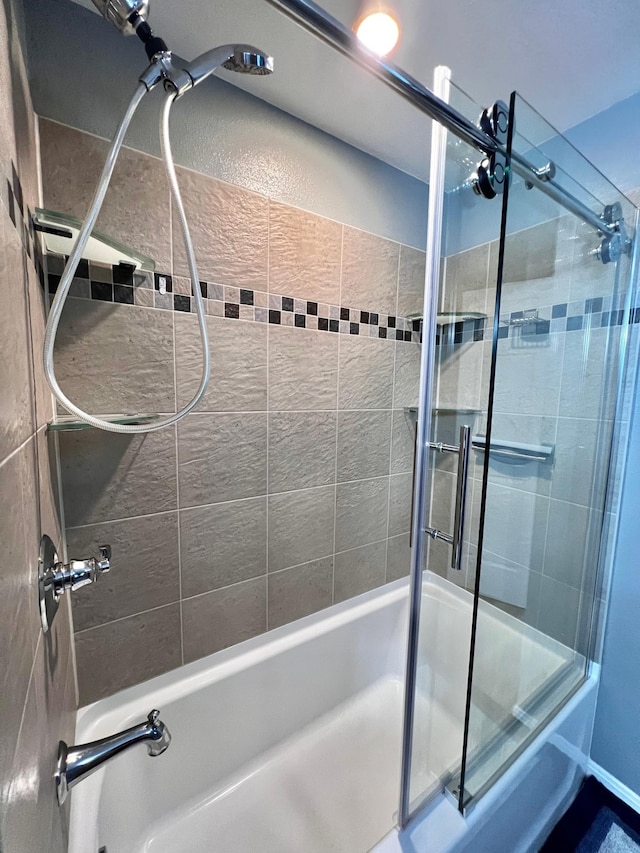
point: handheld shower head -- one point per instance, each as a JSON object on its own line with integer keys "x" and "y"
{"x": 123, "y": 13}
{"x": 234, "y": 57}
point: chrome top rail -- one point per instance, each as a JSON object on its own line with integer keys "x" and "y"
{"x": 323, "y": 25}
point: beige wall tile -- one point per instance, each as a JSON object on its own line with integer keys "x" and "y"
{"x": 222, "y": 544}
{"x": 303, "y": 369}
{"x": 366, "y": 373}
{"x": 369, "y": 271}
{"x": 300, "y": 526}
{"x": 410, "y": 282}
{"x": 304, "y": 254}
{"x": 107, "y": 476}
{"x": 144, "y": 567}
{"x": 136, "y": 207}
{"x": 238, "y": 381}
{"x": 130, "y": 650}
{"x": 222, "y": 457}
{"x": 229, "y": 228}
{"x": 359, "y": 570}
{"x": 222, "y": 618}
{"x": 299, "y": 591}
{"x": 361, "y": 512}
{"x": 364, "y": 444}
{"x": 302, "y": 450}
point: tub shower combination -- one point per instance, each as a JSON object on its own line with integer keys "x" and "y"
{"x": 449, "y": 710}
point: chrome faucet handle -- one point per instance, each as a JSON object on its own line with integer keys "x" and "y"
{"x": 79, "y": 573}
{"x": 153, "y": 716}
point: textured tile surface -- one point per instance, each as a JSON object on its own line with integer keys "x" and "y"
{"x": 222, "y": 457}
{"x": 296, "y": 592}
{"x": 366, "y": 374}
{"x": 238, "y": 352}
{"x": 229, "y": 229}
{"x": 410, "y": 282}
{"x": 144, "y": 567}
{"x": 304, "y": 254}
{"x": 303, "y": 370}
{"x": 302, "y": 449}
{"x": 135, "y": 210}
{"x": 222, "y": 544}
{"x": 400, "y": 503}
{"x": 224, "y": 617}
{"x": 406, "y": 383}
{"x": 130, "y": 651}
{"x": 135, "y": 343}
{"x": 358, "y": 570}
{"x": 300, "y": 526}
{"x": 361, "y": 512}
{"x": 398, "y": 557}
{"x": 403, "y": 440}
{"x": 107, "y": 476}
{"x": 369, "y": 270}
{"x": 363, "y": 444}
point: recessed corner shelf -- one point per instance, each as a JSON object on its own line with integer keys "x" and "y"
{"x": 60, "y": 232}
{"x": 67, "y": 423}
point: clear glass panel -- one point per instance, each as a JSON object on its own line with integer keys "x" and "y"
{"x": 465, "y": 317}
{"x": 561, "y": 325}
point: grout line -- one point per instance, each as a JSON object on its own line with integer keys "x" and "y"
{"x": 268, "y": 351}
{"x": 128, "y": 616}
{"x": 177, "y": 510}
{"x": 335, "y": 468}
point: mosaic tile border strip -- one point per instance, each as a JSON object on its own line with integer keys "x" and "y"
{"x": 593, "y": 313}
{"x": 123, "y": 285}
{"x": 22, "y": 218}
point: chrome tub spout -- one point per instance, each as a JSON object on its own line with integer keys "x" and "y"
{"x": 75, "y": 763}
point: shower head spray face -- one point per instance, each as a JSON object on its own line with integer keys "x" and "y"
{"x": 121, "y": 13}
{"x": 249, "y": 60}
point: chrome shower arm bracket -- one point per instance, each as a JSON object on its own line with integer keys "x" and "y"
{"x": 490, "y": 176}
{"x": 163, "y": 70}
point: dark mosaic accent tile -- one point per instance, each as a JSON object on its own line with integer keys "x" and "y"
{"x": 204, "y": 290}
{"x": 517, "y": 315}
{"x": 183, "y": 303}
{"x": 559, "y": 310}
{"x": 168, "y": 282}
{"x": 123, "y": 274}
{"x": 53, "y": 282}
{"x": 503, "y": 332}
{"x": 232, "y": 310}
{"x": 323, "y": 324}
{"x": 123, "y": 293}
{"x": 364, "y": 317}
{"x": 334, "y": 325}
{"x": 391, "y": 322}
{"x": 635, "y": 316}
{"x": 300, "y": 321}
{"x": 542, "y": 327}
{"x": 593, "y": 306}
{"x": 312, "y": 308}
{"x": 11, "y": 203}
{"x": 574, "y": 324}
{"x": 416, "y": 325}
{"x": 354, "y": 328}
{"x": 408, "y": 337}
{"x": 604, "y": 318}
{"x": 274, "y": 316}
{"x": 17, "y": 187}
{"x": 478, "y": 335}
{"x": 344, "y": 314}
{"x": 457, "y": 338}
{"x": 616, "y": 318}
{"x": 399, "y": 335}
{"x": 373, "y": 318}
{"x": 287, "y": 303}
{"x": 246, "y": 297}
{"x": 83, "y": 269}
{"x": 102, "y": 290}
{"x": 382, "y": 332}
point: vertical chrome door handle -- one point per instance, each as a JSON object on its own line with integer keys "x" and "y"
{"x": 464, "y": 449}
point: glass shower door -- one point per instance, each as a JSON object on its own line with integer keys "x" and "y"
{"x": 542, "y": 456}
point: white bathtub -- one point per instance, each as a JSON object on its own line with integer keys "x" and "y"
{"x": 290, "y": 743}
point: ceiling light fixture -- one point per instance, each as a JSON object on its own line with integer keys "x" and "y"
{"x": 379, "y": 32}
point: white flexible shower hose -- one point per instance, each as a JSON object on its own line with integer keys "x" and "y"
{"x": 76, "y": 255}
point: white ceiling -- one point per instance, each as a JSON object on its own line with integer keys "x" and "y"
{"x": 569, "y": 59}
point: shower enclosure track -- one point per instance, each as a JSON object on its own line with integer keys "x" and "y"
{"x": 323, "y": 25}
